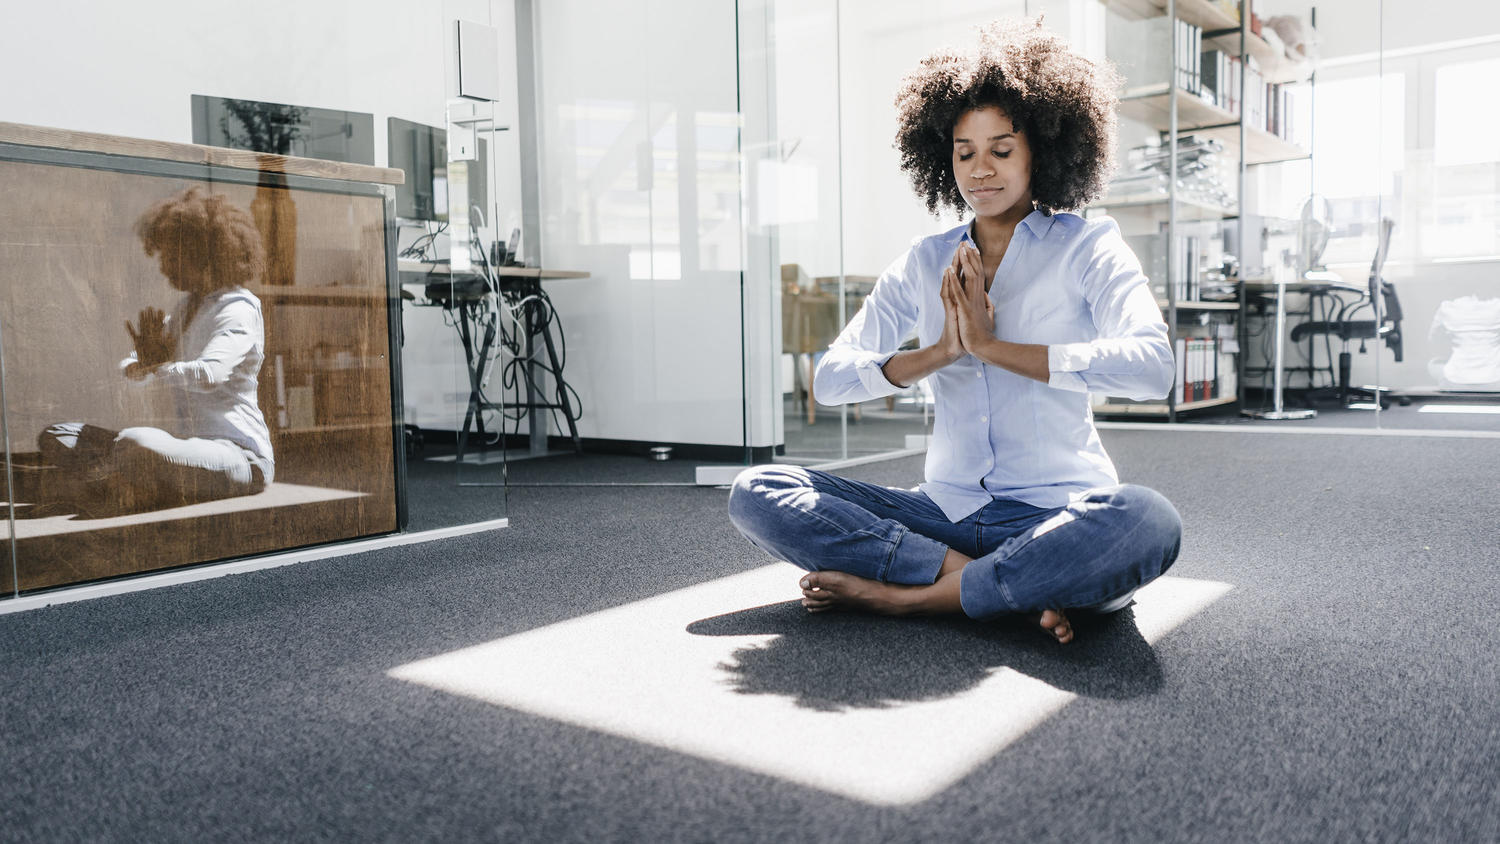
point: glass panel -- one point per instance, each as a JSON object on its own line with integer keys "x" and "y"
{"x": 1396, "y": 137}
{"x": 207, "y": 409}
{"x": 458, "y": 219}
{"x": 1439, "y": 344}
{"x": 496, "y": 312}
{"x": 1460, "y": 228}
{"x": 285, "y": 374}
{"x": 798, "y": 180}
{"x": 756, "y": 160}
{"x": 596, "y": 170}
{"x": 879, "y": 43}
{"x": 836, "y": 71}
{"x": 639, "y": 129}
{"x": 7, "y": 555}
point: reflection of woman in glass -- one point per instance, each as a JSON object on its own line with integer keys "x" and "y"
{"x": 1020, "y": 313}
{"x": 208, "y": 353}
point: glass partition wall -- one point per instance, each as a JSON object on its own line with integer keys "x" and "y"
{"x": 695, "y": 225}
{"x": 212, "y": 274}
{"x": 468, "y": 340}
{"x": 1436, "y": 189}
{"x": 1403, "y": 165}
{"x": 639, "y": 194}
{"x": 1370, "y": 117}
{"x": 835, "y": 203}
{"x": 186, "y": 390}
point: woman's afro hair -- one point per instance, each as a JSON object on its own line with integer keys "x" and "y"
{"x": 207, "y": 230}
{"x": 1062, "y": 103}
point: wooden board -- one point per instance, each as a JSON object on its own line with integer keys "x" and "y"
{"x": 43, "y": 136}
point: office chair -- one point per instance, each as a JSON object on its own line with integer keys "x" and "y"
{"x": 1384, "y": 323}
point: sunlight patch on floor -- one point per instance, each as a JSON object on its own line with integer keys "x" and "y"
{"x": 636, "y": 671}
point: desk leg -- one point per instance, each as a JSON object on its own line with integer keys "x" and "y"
{"x": 811, "y": 417}
{"x": 1279, "y": 373}
{"x": 536, "y": 418}
{"x": 472, "y": 414}
{"x": 562, "y": 393}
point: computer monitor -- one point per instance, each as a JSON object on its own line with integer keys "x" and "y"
{"x": 284, "y": 129}
{"x": 421, "y": 151}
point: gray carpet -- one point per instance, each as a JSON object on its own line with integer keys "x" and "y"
{"x": 1345, "y": 689}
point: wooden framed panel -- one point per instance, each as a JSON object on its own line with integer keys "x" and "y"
{"x": 76, "y": 272}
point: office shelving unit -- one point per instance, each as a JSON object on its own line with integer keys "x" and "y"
{"x": 1172, "y": 111}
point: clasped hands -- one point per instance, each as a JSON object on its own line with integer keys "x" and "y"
{"x": 968, "y": 313}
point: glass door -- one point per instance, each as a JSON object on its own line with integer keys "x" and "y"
{"x": 465, "y": 334}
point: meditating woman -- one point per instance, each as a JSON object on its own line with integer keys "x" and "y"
{"x": 1020, "y": 313}
{"x": 207, "y": 354}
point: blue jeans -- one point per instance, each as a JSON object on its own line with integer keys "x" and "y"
{"x": 1092, "y": 553}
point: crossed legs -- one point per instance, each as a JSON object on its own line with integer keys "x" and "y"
{"x": 142, "y": 468}
{"x": 892, "y": 551}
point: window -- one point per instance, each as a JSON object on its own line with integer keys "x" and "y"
{"x": 1359, "y": 125}
{"x": 1432, "y": 165}
{"x": 1458, "y": 214}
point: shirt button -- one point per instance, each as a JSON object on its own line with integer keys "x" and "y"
{"x": 979, "y": 373}
{"x": 984, "y": 419}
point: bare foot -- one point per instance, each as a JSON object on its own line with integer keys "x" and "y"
{"x": 1056, "y": 625}
{"x": 828, "y": 590}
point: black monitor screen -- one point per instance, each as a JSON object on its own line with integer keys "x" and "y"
{"x": 283, "y": 129}
{"x": 421, "y": 151}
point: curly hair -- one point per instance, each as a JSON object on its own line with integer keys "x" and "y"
{"x": 1062, "y": 103}
{"x": 207, "y": 231}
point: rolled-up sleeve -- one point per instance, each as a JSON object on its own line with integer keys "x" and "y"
{"x": 851, "y": 370}
{"x": 1130, "y": 356}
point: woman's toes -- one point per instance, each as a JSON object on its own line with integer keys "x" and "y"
{"x": 816, "y": 594}
{"x": 1055, "y": 623}
{"x": 814, "y": 586}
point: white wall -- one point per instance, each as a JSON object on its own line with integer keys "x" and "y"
{"x": 640, "y": 186}
{"x": 130, "y": 68}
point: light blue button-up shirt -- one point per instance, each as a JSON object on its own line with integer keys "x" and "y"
{"x": 1065, "y": 282}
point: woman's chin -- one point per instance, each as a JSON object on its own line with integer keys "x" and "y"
{"x": 992, "y": 209}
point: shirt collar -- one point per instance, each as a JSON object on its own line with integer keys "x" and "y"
{"x": 1037, "y": 221}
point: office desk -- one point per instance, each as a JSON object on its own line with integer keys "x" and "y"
{"x": 1319, "y": 290}
{"x": 1317, "y": 283}
{"x": 1262, "y": 286}
{"x": 469, "y": 292}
